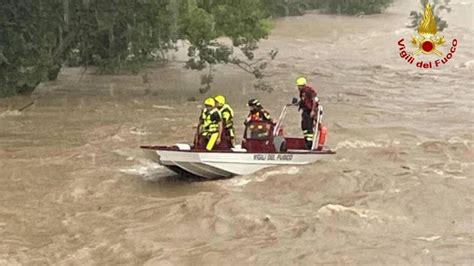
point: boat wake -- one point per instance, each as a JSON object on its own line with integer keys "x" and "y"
{"x": 149, "y": 171}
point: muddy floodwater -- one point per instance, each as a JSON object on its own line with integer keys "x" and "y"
{"x": 75, "y": 189}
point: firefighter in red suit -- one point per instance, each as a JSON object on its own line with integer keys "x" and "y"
{"x": 308, "y": 104}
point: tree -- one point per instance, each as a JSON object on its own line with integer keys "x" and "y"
{"x": 244, "y": 22}
{"x": 349, "y": 7}
{"x": 39, "y": 36}
{"x": 30, "y": 46}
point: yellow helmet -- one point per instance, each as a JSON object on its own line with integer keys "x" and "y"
{"x": 220, "y": 99}
{"x": 209, "y": 102}
{"x": 301, "y": 81}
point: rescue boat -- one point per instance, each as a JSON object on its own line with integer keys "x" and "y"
{"x": 264, "y": 145}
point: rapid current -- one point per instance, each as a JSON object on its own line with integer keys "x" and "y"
{"x": 75, "y": 189}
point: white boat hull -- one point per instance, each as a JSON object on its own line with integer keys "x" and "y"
{"x": 213, "y": 165}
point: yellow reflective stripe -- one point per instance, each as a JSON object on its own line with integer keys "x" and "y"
{"x": 212, "y": 141}
{"x": 208, "y": 125}
{"x": 228, "y": 109}
{"x": 231, "y": 133}
{"x": 227, "y": 114}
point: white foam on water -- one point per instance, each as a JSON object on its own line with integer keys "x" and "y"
{"x": 456, "y": 140}
{"x": 438, "y": 172}
{"x": 78, "y": 193}
{"x": 284, "y": 171}
{"x": 238, "y": 181}
{"x": 242, "y": 181}
{"x": 458, "y": 177}
{"x": 121, "y": 152}
{"x": 146, "y": 170}
{"x": 331, "y": 209}
{"x": 117, "y": 138}
{"x": 357, "y": 144}
{"x": 9, "y": 261}
{"x": 429, "y": 239}
{"x": 163, "y": 107}
{"x": 334, "y": 210}
{"x": 138, "y": 131}
{"x": 10, "y": 113}
{"x": 468, "y": 64}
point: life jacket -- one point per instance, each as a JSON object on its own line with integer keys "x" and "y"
{"x": 307, "y": 98}
{"x": 260, "y": 115}
{"x": 210, "y": 121}
{"x": 227, "y": 115}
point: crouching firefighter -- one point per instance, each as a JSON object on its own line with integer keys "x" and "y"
{"x": 308, "y": 104}
{"x": 210, "y": 125}
{"x": 227, "y": 114}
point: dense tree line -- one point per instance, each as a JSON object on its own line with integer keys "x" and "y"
{"x": 38, "y": 37}
{"x": 347, "y": 7}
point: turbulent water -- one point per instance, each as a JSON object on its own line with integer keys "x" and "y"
{"x": 76, "y": 190}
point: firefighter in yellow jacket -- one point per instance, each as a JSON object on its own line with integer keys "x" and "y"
{"x": 210, "y": 124}
{"x": 227, "y": 114}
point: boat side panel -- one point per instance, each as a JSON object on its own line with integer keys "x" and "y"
{"x": 239, "y": 169}
{"x": 203, "y": 170}
{"x": 179, "y": 156}
{"x": 245, "y": 164}
{"x": 261, "y": 158}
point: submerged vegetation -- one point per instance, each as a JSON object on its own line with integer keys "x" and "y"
{"x": 38, "y": 37}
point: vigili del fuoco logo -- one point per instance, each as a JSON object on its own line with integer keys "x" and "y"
{"x": 427, "y": 43}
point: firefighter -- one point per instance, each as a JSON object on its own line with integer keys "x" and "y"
{"x": 227, "y": 114}
{"x": 307, "y": 104}
{"x": 257, "y": 112}
{"x": 210, "y": 124}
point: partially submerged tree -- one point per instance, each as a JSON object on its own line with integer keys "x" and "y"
{"x": 39, "y": 36}
{"x": 243, "y": 22}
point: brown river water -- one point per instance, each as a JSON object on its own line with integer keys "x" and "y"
{"x": 76, "y": 189}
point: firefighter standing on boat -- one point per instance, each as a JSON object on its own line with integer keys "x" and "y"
{"x": 210, "y": 124}
{"x": 227, "y": 114}
{"x": 308, "y": 103}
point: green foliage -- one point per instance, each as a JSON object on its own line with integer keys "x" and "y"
{"x": 283, "y": 8}
{"x": 348, "y": 7}
{"x": 29, "y": 47}
{"x": 122, "y": 33}
{"x": 39, "y": 36}
{"x": 244, "y": 22}
{"x": 352, "y": 7}
{"x": 437, "y": 6}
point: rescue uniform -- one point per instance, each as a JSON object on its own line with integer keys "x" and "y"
{"x": 209, "y": 128}
{"x": 227, "y": 114}
{"x": 307, "y": 104}
{"x": 259, "y": 115}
